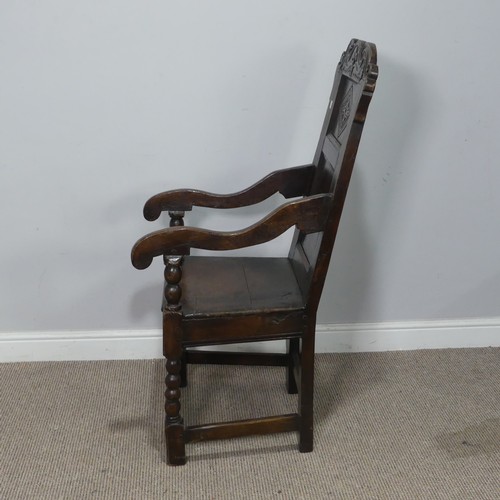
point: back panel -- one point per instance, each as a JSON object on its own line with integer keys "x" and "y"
{"x": 334, "y": 159}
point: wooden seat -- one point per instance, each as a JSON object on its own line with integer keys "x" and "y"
{"x": 238, "y": 285}
{"x": 224, "y": 300}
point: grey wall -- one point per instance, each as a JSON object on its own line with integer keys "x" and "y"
{"x": 104, "y": 103}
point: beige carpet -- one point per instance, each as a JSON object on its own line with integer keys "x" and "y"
{"x": 402, "y": 425}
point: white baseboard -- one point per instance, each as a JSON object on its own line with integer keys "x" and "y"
{"x": 146, "y": 344}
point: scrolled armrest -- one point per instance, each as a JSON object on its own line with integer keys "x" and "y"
{"x": 290, "y": 182}
{"x": 308, "y": 214}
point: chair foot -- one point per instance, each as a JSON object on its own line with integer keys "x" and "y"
{"x": 306, "y": 440}
{"x": 176, "y": 453}
{"x": 305, "y": 447}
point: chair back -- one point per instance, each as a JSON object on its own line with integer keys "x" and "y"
{"x": 352, "y": 91}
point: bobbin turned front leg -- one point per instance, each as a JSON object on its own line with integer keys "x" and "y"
{"x": 172, "y": 347}
{"x": 174, "y": 426}
{"x": 177, "y": 220}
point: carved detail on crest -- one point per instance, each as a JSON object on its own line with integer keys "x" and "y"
{"x": 355, "y": 61}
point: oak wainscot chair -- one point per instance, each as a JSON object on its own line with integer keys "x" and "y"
{"x": 219, "y": 300}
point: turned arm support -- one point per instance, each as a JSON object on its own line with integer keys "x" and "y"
{"x": 290, "y": 182}
{"x": 308, "y": 214}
